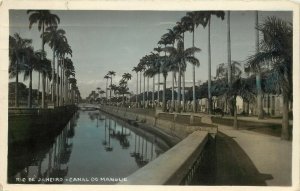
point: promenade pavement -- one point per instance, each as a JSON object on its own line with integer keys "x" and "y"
{"x": 269, "y": 154}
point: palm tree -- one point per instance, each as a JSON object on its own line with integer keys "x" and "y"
{"x": 260, "y": 112}
{"x": 69, "y": 70}
{"x": 17, "y": 54}
{"x": 127, "y": 76}
{"x": 156, "y": 66}
{"x": 234, "y": 71}
{"x": 192, "y": 20}
{"x": 142, "y": 65}
{"x": 36, "y": 63}
{"x": 111, "y": 74}
{"x": 180, "y": 28}
{"x": 165, "y": 68}
{"x": 31, "y": 64}
{"x": 276, "y": 50}
{"x": 205, "y": 17}
{"x": 229, "y": 48}
{"x": 113, "y": 88}
{"x": 63, "y": 48}
{"x": 73, "y": 85}
{"x": 53, "y": 36}
{"x": 106, "y": 77}
{"x": 137, "y": 70}
{"x": 179, "y": 56}
{"x": 122, "y": 88}
{"x": 43, "y": 18}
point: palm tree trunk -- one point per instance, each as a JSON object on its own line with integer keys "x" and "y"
{"x": 229, "y": 73}
{"x": 285, "y": 134}
{"x": 53, "y": 71}
{"x": 229, "y": 49}
{"x": 106, "y": 89}
{"x": 30, "y": 90}
{"x": 110, "y": 89}
{"x": 43, "y": 73}
{"x": 43, "y": 89}
{"x": 66, "y": 89}
{"x": 194, "y": 80}
{"x": 209, "y": 69}
{"x": 61, "y": 84}
{"x": 179, "y": 90}
{"x": 140, "y": 85}
{"x": 235, "y": 121}
{"x": 38, "y": 93}
{"x": 173, "y": 96}
{"x": 57, "y": 83}
{"x": 153, "y": 90}
{"x": 183, "y": 87}
{"x": 147, "y": 91}
{"x": 158, "y": 89}
{"x": 17, "y": 83}
{"x": 137, "y": 89}
{"x": 260, "y": 112}
{"x": 164, "y": 105}
{"x": 144, "y": 92}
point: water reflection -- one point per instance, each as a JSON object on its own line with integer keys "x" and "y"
{"x": 47, "y": 158}
{"x": 74, "y": 152}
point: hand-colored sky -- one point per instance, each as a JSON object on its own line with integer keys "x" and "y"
{"x": 117, "y": 40}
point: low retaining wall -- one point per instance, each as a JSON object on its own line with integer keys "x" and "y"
{"x": 173, "y": 124}
{"x": 174, "y": 166}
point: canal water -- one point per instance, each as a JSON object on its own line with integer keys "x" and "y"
{"x": 93, "y": 148}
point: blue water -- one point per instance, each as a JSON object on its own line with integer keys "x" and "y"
{"x": 92, "y": 148}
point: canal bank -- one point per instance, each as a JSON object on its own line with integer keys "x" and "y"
{"x": 173, "y": 127}
{"x": 26, "y": 124}
{"x": 185, "y": 162}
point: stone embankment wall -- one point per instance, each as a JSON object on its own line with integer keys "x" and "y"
{"x": 175, "y": 125}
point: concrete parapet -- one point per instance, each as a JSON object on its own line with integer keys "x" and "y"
{"x": 175, "y": 124}
{"x": 173, "y": 166}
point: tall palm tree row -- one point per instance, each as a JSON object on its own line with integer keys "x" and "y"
{"x": 205, "y": 17}
{"x": 24, "y": 59}
{"x": 48, "y": 25}
{"x": 53, "y": 37}
{"x": 43, "y": 18}
{"x": 179, "y": 56}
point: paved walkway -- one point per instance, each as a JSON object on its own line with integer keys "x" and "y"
{"x": 269, "y": 154}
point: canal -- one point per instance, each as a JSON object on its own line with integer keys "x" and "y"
{"x": 93, "y": 148}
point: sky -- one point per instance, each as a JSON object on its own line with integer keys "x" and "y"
{"x": 104, "y": 40}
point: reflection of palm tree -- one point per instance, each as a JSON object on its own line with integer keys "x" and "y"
{"x": 104, "y": 142}
{"x": 109, "y": 148}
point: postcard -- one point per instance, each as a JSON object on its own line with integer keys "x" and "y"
{"x": 114, "y": 95}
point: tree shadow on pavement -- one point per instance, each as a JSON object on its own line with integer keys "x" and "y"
{"x": 226, "y": 163}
